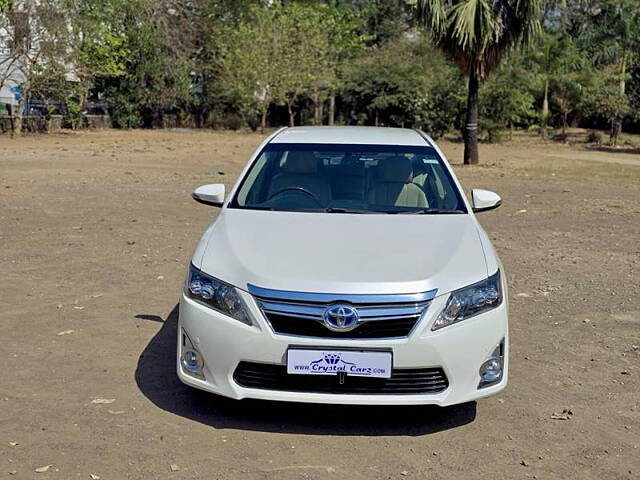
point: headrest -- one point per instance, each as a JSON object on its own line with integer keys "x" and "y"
{"x": 395, "y": 169}
{"x": 301, "y": 162}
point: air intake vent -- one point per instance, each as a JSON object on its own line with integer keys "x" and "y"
{"x": 402, "y": 382}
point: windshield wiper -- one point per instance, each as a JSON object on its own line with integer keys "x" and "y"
{"x": 350, "y": 210}
{"x": 430, "y": 211}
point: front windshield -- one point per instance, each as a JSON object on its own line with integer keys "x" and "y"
{"x": 349, "y": 179}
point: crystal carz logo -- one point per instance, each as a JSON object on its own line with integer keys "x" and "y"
{"x": 329, "y": 363}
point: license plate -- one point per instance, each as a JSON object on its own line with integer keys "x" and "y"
{"x": 331, "y": 362}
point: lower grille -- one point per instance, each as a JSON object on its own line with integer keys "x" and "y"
{"x": 402, "y": 382}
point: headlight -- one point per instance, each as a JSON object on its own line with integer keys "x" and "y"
{"x": 216, "y": 294}
{"x": 470, "y": 301}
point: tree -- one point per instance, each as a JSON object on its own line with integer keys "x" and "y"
{"x": 476, "y": 34}
{"x": 555, "y": 60}
{"x": 159, "y": 39}
{"x": 404, "y": 82}
{"x": 248, "y": 64}
{"x": 282, "y": 52}
{"x": 342, "y": 28}
{"x": 303, "y": 48}
{"x": 613, "y": 38}
{"x": 35, "y": 34}
{"x": 49, "y": 84}
{"x": 606, "y": 100}
{"x": 98, "y": 43}
{"x": 383, "y": 20}
{"x": 507, "y": 99}
{"x": 217, "y": 23}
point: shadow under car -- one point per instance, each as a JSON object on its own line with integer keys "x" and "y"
{"x": 156, "y": 377}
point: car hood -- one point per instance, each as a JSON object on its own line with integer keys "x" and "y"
{"x": 343, "y": 253}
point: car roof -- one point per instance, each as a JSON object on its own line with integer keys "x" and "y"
{"x": 351, "y": 135}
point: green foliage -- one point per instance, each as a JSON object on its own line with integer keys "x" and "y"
{"x": 612, "y": 34}
{"x": 249, "y": 71}
{"x": 405, "y": 82}
{"x": 507, "y": 100}
{"x": 605, "y": 100}
{"x": 560, "y": 74}
{"x": 233, "y": 64}
{"x": 125, "y": 109}
{"x": 476, "y": 34}
{"x": 279, "y": 53}
{"x": 441, "y": 109}
{"x": 73, "y": 114}
{"x": 380, "y": 20}
{"x": 303, "y": 50}
{"x": 594, "y": 137}
{"x": 157, "y": 76}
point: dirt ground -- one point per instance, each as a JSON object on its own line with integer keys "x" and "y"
{"x": 96, "y": 231}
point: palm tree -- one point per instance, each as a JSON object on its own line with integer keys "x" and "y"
{"x": 614, "y": 37}
{"x": 476, "y": 34}
{"x": 555, "y": 60}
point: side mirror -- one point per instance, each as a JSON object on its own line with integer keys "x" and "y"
{"x": 484, "y": 200}
{"x": 210, "y": 194}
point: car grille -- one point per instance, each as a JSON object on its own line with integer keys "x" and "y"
{"x": 378, "y": 329}
{"x": 380, "y": 316}
{"x": 402, "y": 382}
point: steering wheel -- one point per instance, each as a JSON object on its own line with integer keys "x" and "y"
{"x": 297, "y": 189}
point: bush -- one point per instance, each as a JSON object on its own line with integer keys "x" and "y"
{"x": 561, "y": 137}
{"x": 594, "y": 137}
{"x": 233, "y": 121}
{"x": 505, "y": 99}
{"x": 499, "y": 135}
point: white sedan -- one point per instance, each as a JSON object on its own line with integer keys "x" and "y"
{"x": 346, "y": 266}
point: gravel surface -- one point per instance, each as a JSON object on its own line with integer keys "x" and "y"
{"x": 96, "y": 231}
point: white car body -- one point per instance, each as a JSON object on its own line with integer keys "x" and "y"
{"x": 345, "y": 257}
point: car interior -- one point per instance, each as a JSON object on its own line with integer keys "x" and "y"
{"x": 303, "y": 179}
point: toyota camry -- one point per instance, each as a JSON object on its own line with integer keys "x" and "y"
{"x": 346, "y": 265}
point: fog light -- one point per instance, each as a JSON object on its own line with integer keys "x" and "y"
{"x": 190, "y": 359}
{"x": 491, "y": 370}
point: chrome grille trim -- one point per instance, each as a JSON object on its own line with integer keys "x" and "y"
{"x": 368, "y": 313}
{"x": 340, "y": 297}
{"x": 305, "y": 307}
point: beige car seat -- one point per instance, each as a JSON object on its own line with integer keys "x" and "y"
{"x": 302, "y": 169}
{"x": 394, "y": 185}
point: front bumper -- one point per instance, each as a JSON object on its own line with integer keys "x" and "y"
{"x": 459, "y": 350}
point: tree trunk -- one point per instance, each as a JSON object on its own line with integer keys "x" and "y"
{"x": 321, "y": 112}
{"x": 623, "y": 73}
{"x": 82, "y": 100}
{"x": 263, "y": 120}
{"x": 332, "y": 108}
{"x": 376, "y": 119}
{"x": 471, "y": 127}
{"x": 47, "y": 116}
{"x": 290, "y": 110}
{"x": 17, "y": 117}
{"x": 11, "y": 118}
{"x": 545, "y": 109}
{"x": 616, "y": 128}
{"x": 317, "y": 120}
